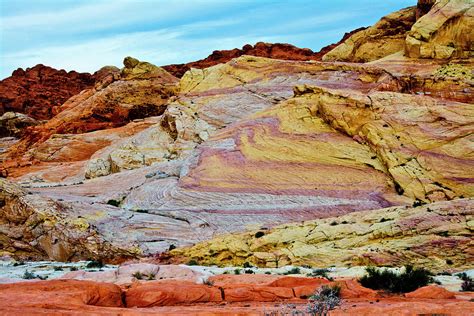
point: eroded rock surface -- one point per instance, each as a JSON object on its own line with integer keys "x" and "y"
{"x": 433, "y": 236}
{"x": 37, "y": 90}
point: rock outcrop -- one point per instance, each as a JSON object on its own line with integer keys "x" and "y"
{"x": 141, "y": 91}
{"x": 34, "y": 227}
{"x": 185, "y": 298}
{"x": 444, "y": 32}
{"x": 384, "y": 38}
{"x": 435, "y": 236}
{"x": 38, "y": 90}
{"x": 260, "y": 49}
{"x": 12, "y": 124}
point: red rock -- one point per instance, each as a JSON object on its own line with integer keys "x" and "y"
{"x": 56, "y": 293}
{"x": 35, "y": 91}
{"x": 353, "y": 289}
{"x": 276, "y": 50}
{"x": 163, "y": 293}
{"x": 231, "y": 279}
{"x": 256, "y": 293}
{"x": 431, "y": 291}
{"x": 298, "y": 281}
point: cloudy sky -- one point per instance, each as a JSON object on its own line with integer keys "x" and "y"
{"x": 85, "y": 35}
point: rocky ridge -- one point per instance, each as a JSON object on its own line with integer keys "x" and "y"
{"x": 37, "y": 91}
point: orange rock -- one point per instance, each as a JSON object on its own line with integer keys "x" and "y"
{"x": 163, "y": 293}
{"x": 431, "y": 291}
{"x": 230, "y": 279}
{"x": 256, "y": 293}
{"x": 73, "y": 294}
{"x": 353, "y": 289}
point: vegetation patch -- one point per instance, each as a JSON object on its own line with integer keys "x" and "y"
{"x": 407, "y": 281}
{"x": 325, "y": 299}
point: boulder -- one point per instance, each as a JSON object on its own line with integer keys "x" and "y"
{"x": 13, "y": 124}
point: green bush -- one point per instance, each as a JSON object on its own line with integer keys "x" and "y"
{"x": 467, "y": 284}
{"x": 407, "y": 281}
{"x": 192, "y": 262}
{"x": 95, "y": 264}
{"x": 294, "y": 270}
{"x": 320, "y": 273}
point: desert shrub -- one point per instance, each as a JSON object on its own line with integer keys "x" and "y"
{"x": 248, "y": 271}
{"x": 268, "y": 272}
{"x": 192, "y": 262}
{"x": 407, "y": 281}
{"x": 259, "y": 234}
{"x": 467, "y": 284}
{"x": 73, "y": 269}
{"x": 30, "y": 276}
{"x": 151, "y": 276}
{"x": 18, "y": 263}
{"x": 334, "y": 223}
{"x": 247, "y": 265}
{"x": 58, "y": 269}
{"x": 171, "y": 247}
{"x": 237, "y": 271}
{"x": 138, "y": 275}
{"x": 294, "y": 270}
{"x": 325, "y": 299}
{"x": 95, "y": 264}
{"x": 321, "y": 273}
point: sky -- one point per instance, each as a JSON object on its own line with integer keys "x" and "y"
{"x": 85, "y": 35}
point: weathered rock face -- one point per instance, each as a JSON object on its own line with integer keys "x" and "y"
{"x": 141, "y": 91}
{"x": 431, "y": 236}
{"x": 34, "y": 227}
{"x": 12, "y": 124}
{"x": 384, "y": 38}
{"x": 36, "y": 91}
{"x": 444, "y": 32}
{"x": 58, "y": 297}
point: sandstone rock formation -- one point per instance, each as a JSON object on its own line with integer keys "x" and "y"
{"x": 384, "y": 38}
{"x": 34, "y": 227}
{"x": 435, "y": 236}
{"x": 260, "y": 49}
{"x": 439, "y": 29}
{"x": 150, "y": 163}
{"x": 444, "y": 32}
{"x": 277, "y": 51}
{"x": 12, "y": 124}
{"x": 74, "y": 297}
{"x": 37, "y": 90}
{"x": 142, "y": 91}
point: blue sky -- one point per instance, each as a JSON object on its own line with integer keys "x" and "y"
{"x": 85, "y": 35}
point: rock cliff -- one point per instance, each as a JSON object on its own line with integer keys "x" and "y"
{"x": 38, "y": 90}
